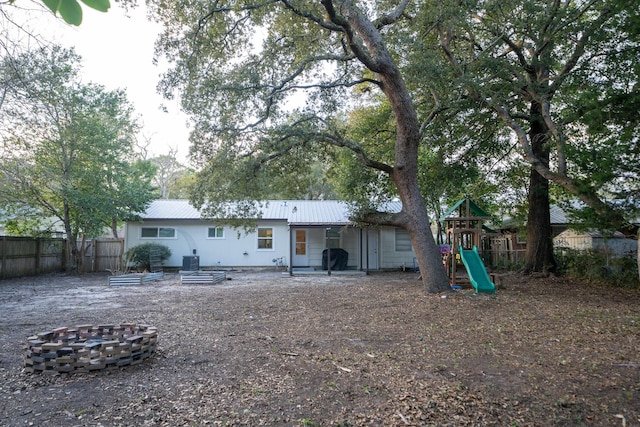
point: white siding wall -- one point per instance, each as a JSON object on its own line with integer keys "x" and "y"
{"x": 389, "y": 257}
{"x": 616, "y": 246}
{"x": 350, "y": 241}
{"x": 317, "y": 243}
{"x": 226, "y": 252}
{"x": 229, "y": 251}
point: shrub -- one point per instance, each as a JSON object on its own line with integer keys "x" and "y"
{"x": 140, "y": 255}
{"x": 593, "y": 265}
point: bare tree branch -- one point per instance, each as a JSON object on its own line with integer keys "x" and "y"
{"x": 391, "y": 17}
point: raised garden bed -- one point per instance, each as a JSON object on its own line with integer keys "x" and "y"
{"x": 135, "y": 278}
{"x": 89, "y": 348}
{"x": 202, "y": 277}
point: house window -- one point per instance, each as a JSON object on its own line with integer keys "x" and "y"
{"x": 265, "y": 238}
{"x": 403, "y": 242}
{"x": 333, "y": 238}
{"x": 215, "y": 233}
{"x": 158, "y": 233}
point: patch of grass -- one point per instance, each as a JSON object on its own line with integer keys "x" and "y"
{"x": 369, "y": 390}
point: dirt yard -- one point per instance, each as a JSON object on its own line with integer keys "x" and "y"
{"x": 269, "y": 349}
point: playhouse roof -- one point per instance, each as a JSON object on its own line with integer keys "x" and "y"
{"x": 474, "y": 209}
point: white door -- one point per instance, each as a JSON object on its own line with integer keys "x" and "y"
{"x": 300, "y": 248}
{"x": 370, "y": 250}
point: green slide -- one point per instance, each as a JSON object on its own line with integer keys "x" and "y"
{"x": 477, "y": 273}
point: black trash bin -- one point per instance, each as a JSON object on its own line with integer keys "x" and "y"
{"x": 339, "y": 259}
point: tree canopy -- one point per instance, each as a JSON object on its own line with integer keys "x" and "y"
{"x": 269, "y": 84}
{"x": 551, "y": 72}
{"x": 67, "y": 148}
{"x": 413, "y": 95}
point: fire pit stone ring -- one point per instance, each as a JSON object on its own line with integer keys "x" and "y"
{"x": 86, "y": 348}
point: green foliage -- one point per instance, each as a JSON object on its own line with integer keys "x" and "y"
{"x": 71, "y": 11}
{"x": 373, "y": 128}
{"x": 140, "y": 255}
{"x": 69, "y": 147}
{"x": 22, "y": 220}
{"x": 494, "y": 86}
{"x": 268, "y": 122}
{"x": 597, "y": 266}
{"x": 560, "y": 77}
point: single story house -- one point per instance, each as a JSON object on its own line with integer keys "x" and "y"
{"x": 512, "y": 235}
{"x": 615, "y": 245}
{"x": 512, "y": 238}
{"x": 292, "y": 234}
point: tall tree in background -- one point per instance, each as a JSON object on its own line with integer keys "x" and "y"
{"x": 533, "y": 64}
{"x": 67, "y": 149}
{"x": 239, "y": 64}
{"x": 169, "y": 171}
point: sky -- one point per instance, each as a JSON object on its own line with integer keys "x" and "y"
{"x": 117, "y": 52}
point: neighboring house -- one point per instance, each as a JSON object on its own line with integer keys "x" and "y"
{"x": 290, "y": 233}
{"x": 513, "y": 238}
{"x": 616, "y": 245}
{"x": 513, "y": 234}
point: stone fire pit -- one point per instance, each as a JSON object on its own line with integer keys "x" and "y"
{"x": 87, "y": 348}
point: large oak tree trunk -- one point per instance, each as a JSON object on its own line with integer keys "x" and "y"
{"x": 539, "y": 255}
{"x": 405, "y": 176}
{"x": 74, "y": 263}
{"x": 371, "y": 51}
{"x": 434, "y": 275}
{"x": 416, "y": 223}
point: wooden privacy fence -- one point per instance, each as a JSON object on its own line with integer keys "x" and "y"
{"x": 103, "y": 255}
{"x": 26, "y": 256}
{"x": 504, "y": 259}
{"x": 29, "y": 256}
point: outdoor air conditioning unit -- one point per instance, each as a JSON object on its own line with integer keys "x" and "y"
{"x": 190, "y": 263}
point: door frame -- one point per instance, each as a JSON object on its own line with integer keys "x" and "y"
{"x": 371, "y": 249}
{"x": 299, "y": 260}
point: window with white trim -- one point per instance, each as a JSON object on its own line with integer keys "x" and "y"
{"x": 265, "y": 238}
{"x": 403, "y": 242}
{"x": 215, "y": 233}
{"x": 158, "y": 233}
{"x": 333, "y": 238}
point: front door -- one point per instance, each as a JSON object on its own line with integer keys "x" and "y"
{"x": 300, "y": 248}
{"x": 370, "y": 249}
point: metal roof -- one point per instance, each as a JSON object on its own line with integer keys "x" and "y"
{"x": 295, "y": 212}
{"x": 171, "y": 209}
{"x": 558, "y": 215}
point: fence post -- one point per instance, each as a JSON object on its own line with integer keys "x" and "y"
{"x": 38, "y": 255}
{"x": 3, "y": 249}
{"x": 94, "y": 255}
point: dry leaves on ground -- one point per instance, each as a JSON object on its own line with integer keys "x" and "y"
{"x": 267, "y": 349}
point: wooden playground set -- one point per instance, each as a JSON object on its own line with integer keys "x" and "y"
{"x": 464, "y": 223}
